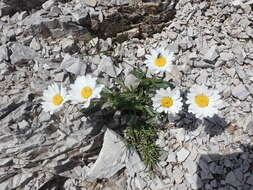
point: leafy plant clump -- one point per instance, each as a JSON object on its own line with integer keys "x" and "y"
{"x": 136, "y": 105}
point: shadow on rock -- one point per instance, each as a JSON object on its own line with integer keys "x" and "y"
{"x": 225, "y": 172}
{"x": 213, "y": 126}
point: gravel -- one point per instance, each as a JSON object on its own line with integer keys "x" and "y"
{"x": 47, "y": 40}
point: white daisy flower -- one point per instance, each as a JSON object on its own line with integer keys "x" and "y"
{"x": 168, "y": 101}
{"x": 84, "y": 89}
{"x": 54, "y": 97}
{"x": 203, "y": 102}
{"x": 159, "y": 60}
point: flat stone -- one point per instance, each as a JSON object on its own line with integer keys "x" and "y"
{"x": 211, "y": 55}
{"x": 171, "y": 157}
{"x": 140, "y": 52}
{"x": 73, "y": 65}
{"x": 182, "y": 155}
{"x": 111, "y": 157}
{"x": 81, "y": 15}
{"x": 232, "y": 180}
{"x": 178, "y": 175}
{"x": 131, "y": 80}
{"x": 23, "y": 124}
{"x": 249, "y": 128}
{"x": 91, "y": 3}
{"x": 21, "y": 54}
{"x": 48, "y": 4}
{"x": 21, "y": 179}
{"x": 250, "y": 180}
{"x": 241, "y": 74}
{"x": 106, "y": 65}
{"x": 240, "y": 92}
{"x": 193, "y": 180}
{"x": 179, "y": 134}
{"x": 68, "y": 45}
{"x": 3, "y": 53}
{"x": 191, "y": 166}
{"x": 226, "y": 56}
{"x": 35, "y": 44}
{"x": 22, "y": 15}
{"x": 112, "y": 3}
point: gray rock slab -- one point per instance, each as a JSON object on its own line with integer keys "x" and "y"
{"x": 35, "y": 44}
{"x": 171, "y": 157}
{"x": 131, "y": 80}
{"x": 232, "y": 180}
{"x": 112, "y": 2}
{"x": 28, "y": 4}
{"x": 211, "y": 55}
{"x": 182, "y": 155}
{"x": 91, "y": 3}
{"x": 68, "y": 45}
{"x": 111, "y": 157}
{"x": 48, "y": 4}
{"x": 240, "y": 92}
{"x": 250, "y": 180}
{"x": 21, "y": 179}
{"x": 21, "y": 54}
{"x": 249, "y": 128}
{"x": 81, "y": 15}
{"x": 73, "y": 65}
{"x": 193, "y": 181}
{"x": 3, "y": 53}
{"x": 106, "y": 65}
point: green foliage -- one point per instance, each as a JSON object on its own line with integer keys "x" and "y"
{"x": 141, "y": 136}
{"x": 135, "y": 103}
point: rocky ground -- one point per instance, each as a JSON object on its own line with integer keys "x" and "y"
{"x": 52, "y": 40}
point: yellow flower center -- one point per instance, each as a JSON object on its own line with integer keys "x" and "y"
{"x": 86, "y": 92}
{"x": 57, "y": 99}
{"x": 202, "y": 100}
{"x": 166, "y": 101}
{"x": 160, "y": 61}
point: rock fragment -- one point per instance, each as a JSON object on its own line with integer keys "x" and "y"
{"x": 48, "y": 4}
{"x": 91, "y": 3}
{"x": 194, "y": 181}
{"x": 240, "y": 92}
{"x": 73, "y": 65}
{"x": 211, "y": 55}
{"x": 68, "y": 45}
{"x": 3, "y": 53}
{"x": 132, "y": 81}
{"x": 21, "y": 54}
{"x": 107, "y": 66}
{"x": 250, "y": 180}
{"x": 35, "y": 44}
{"x": 182, "y": 155}
{"x": 111, "y": 157}
{"x": 232, "y": 180}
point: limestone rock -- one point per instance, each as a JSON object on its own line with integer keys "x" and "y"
{"x": 73, "y": 65}
{"x": 182, "y": 155}
{"x": 211, "y": 55}
{"x": 111, "y": 157}
{"x": 21, "y": 54}
{"x": 240, "y": 92}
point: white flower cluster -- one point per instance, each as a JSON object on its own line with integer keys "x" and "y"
{"x": 84, "y": 89}
{"x": 203, "y": 102}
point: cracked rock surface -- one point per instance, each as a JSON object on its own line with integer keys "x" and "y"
{"x": 42, "y": 41}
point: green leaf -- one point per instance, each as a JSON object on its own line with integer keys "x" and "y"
{"x": 150, "y": 111}
{"x": 138, "y": 73}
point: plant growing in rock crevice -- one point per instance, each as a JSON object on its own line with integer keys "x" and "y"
{"x": 135, "y": 104}
{"x": 153, "y": 100}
